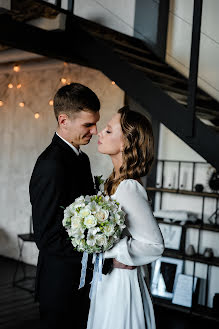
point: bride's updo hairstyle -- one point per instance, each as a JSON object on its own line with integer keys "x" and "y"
{"x": 138, "y": 153}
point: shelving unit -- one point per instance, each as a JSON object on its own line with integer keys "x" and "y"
{"x": 185, "y": 192}
{"x": 199, "y": 310}
{"x": 200, "y": 225}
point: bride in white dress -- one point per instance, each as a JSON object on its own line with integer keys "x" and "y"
{"x": 122, "y": 300}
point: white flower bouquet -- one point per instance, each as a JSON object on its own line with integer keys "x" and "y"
{"x": 94, "y": 223}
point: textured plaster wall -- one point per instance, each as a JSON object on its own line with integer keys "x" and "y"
{"x": 23, "y": 138}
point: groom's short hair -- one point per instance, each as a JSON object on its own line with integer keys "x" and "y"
{"x": 74, "y": 98}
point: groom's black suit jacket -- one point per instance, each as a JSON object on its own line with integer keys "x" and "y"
{"x": 59, "y": 177}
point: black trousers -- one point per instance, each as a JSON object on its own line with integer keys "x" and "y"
{"x": 62, "y": 304}
{"x": 75, "y": 317}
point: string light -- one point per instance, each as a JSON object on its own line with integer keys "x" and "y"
{"x": 16, "y": 68}
{"x": 51, "y": 102}
{"x": 18, "y": 85}
{"x": 10, "y": 86}
{"x": 21, "y": 104}
{"x": 113, "y": 83}
{"x": 1, "y": 103}
{"x": 65, "y": 63}
{"x": 63, "y": 80}
{"x": 36, "y": 115}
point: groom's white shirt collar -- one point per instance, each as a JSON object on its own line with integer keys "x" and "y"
{"x": 73, "y": 147}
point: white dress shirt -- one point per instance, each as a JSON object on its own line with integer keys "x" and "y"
{"x": 72, "y": 146}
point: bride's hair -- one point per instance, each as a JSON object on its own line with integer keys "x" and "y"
{"x": 138, "y": 153}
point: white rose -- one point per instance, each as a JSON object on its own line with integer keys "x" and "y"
{"x": 101, "y": 240}
{"x": 90, "y": 221}
{"x": 78, "y": 203}
{"x": 75, "y": 242}
{"x": 75, "y": 223}
{"x": 102, "y": 215}
{"x": 109, "y": 229}
{"x": 79, "y": 199}
{"x": 84, "y": 212}
{"x": 68, "y": 213}
{"x": 91, "y": 238}
{"x": 72, "y": 208}
{"x": 87, "y": 198}
{"x": 82, "y": 245}
{"x": 117, "y": 218}
{"x": 79, "y": 234}
{"x": 94, "y": 230}
{"x": 93, "y": 207}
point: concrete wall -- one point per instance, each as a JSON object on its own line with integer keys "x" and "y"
{"x": 23, "y": 138}
{"x": 115, "y": 14}
{"x": 179, "y": 42}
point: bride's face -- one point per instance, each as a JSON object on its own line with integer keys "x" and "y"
{"x": 111, "y": 138}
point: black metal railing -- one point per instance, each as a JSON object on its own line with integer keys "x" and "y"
{"x": 194, "y": 60}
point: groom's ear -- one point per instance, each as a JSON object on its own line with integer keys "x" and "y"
{"x": 62, "y": 119}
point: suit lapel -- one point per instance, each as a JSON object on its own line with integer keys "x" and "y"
{"x": 69, "y": 152}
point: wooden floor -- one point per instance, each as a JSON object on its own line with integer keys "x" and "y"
{"x": 17, "y": 307}
{"x": 19, "y": 311}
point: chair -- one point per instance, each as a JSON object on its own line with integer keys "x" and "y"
{"x": 22, "y": 238}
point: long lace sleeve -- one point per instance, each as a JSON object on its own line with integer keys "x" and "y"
{"x": 144, "y": 243}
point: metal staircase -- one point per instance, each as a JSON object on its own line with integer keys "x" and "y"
{"x": 159, "y": 88}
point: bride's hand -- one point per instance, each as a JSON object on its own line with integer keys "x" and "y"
{"x": 117, "y": 264}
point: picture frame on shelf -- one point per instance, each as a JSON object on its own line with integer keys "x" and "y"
{"x": 172, "y": 235}
{"x": 184, "y": 289}
{"x": 164, "y": 276}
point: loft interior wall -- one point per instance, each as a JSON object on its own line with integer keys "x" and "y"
{"x": 179, "y": 42}
{"x": 118, "y": 15}
{"x": 23, "y": 138}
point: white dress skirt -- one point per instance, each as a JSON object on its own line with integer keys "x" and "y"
{"x": 122, "y": 299}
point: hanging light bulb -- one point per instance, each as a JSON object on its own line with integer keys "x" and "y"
{"x": 18, "y": 85}
{"x": 1, "y": 103}
{"x": 63, "y": 80}
{"x": 51, "y": 102}
{"x": 10, "y": 86}
{"x": 16, "y": 68}
{"x": 36, "y": 115}
{"x": 21, "y": 104}
{"x": 113, "y": 83}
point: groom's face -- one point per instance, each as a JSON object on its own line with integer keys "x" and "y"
{"x": 80, "y": 128}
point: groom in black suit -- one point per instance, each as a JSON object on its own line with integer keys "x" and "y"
{"x": 61, "y": 174}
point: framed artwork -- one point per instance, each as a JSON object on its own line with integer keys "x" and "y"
{"x": 172, "y": 235}
{"x": 164, "y": 276}
{"x": 184, "y": 289}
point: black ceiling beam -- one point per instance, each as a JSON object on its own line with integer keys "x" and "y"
{"x": 54, "y": 44}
